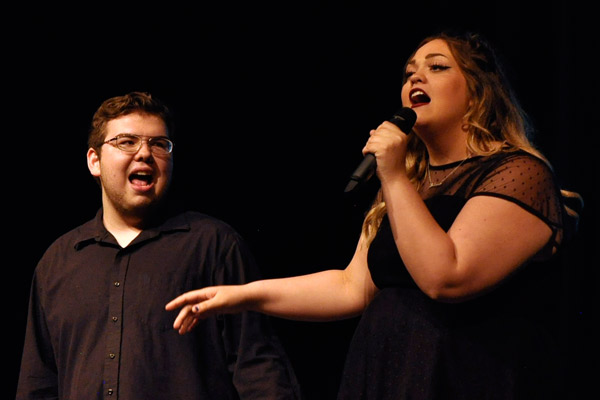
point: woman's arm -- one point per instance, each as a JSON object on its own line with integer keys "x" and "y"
{"x": 321, "y": 296}
{"x": 490, "y": 238}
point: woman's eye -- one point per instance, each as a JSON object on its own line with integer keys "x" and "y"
{"x": 438, "y": 67}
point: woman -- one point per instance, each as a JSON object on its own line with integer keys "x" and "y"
{"x": 453, "y": 270}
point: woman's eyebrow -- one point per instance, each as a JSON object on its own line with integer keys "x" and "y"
{"x": 430, "y": 55}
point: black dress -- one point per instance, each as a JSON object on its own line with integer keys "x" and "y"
{"x": 501, "y": 345}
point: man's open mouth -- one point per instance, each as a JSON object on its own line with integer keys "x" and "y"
{"x": 141, "y": 178}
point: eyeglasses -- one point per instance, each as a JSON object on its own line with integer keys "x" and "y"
{"x": 130, "y": 143}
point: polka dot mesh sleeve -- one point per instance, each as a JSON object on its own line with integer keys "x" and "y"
{"x": 528, "y": 182}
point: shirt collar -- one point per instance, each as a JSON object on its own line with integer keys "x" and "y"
{"x": 94, "y": 231}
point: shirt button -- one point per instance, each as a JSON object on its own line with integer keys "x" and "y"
{"x": 117, "y": 284}
{"x": 115, "y": 319}
{"x": 112, "y": 355}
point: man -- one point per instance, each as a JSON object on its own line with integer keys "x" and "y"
{"x": 97, "y": 327}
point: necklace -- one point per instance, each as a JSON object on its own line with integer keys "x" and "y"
{"x": 431, "y": 184}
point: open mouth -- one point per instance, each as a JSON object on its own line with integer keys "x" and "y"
{"x": 418, "y": 98}
{"x": 141, "y": 178}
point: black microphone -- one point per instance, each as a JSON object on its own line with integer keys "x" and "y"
{"x": 404, "y": 119}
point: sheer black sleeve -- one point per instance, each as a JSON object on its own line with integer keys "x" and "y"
{"x": 528, "y": 182}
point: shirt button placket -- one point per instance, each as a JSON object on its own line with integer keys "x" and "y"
{"x": 113, "y": 340}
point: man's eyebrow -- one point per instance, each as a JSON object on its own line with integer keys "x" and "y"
{"x": 430, "y": 55}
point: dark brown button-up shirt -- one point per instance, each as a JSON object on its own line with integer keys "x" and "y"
{"x": 97, "y": 327}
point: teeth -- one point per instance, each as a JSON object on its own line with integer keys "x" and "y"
{"x": 419, "y": 96}
{"x": 143, "y": 176}
{"x": 417, "y": 93}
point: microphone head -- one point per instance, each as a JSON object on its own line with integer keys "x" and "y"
{"x": 404, "y": 119}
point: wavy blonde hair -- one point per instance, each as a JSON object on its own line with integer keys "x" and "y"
{"x": 494, "y": 116}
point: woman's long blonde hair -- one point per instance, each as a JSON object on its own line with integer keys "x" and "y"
{"x": 494, "y": 116}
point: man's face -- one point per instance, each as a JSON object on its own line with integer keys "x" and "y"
{"x": 132, "y": 183}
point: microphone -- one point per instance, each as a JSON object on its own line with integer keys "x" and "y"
{"x": 404, "y": 119}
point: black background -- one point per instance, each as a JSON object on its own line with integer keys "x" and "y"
{"x": 274, "y": 103}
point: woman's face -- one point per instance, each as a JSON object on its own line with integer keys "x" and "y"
{"x": 435, "y": 88}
